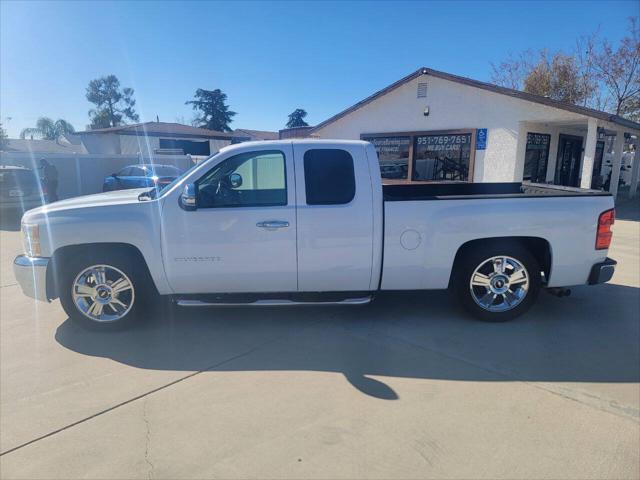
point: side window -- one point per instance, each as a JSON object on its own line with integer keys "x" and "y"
{"x": 137, "y": 172}
{"x": 125, "y": 172}
{"x": 249, "y": 179}
{"x": 328, "y": 177}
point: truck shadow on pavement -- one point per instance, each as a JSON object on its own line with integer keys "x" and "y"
{"x": 591, "y": 336}
{"x": 628, "y": 209}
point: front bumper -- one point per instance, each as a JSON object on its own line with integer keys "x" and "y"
{"x": 31, "y": 274}
{"x": 602, "y": 272}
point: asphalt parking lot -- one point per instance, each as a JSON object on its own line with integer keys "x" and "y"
{"x": 408, "y": 387}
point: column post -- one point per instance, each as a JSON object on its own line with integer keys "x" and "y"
{"x": 635, "y": 170}
{"x": 618, "y": 145}
{"x": 586, "y": 171}
{"x": 521, "y": 148}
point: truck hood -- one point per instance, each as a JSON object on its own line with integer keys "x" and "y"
{"x": 117, "y": 197}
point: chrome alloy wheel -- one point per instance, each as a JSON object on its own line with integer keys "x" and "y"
{"x": 103, "y": 293}
{"x": 499, "y": 284}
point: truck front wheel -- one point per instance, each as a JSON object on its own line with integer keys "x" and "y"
{"x": 103, "y": 292}
{"x": 497, "y": 282}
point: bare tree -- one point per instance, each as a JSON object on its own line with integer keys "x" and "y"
{"x": 619, "y": 71}
{"x": 557, "y": 76}
{"x": 594, "y": 74}
{"x": 584, "y": 54}
{"x": 512, "y": 72}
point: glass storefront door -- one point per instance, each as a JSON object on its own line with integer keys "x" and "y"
{"x": 569, "y": 160}
{"x": 596, "y": 178}
{"x": 536, "y": 157}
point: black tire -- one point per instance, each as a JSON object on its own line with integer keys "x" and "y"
{"x": 478, "y": 255}
{"x": 141, "y": 295}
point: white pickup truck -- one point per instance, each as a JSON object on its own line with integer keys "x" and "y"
{"x": 309, "y": 222}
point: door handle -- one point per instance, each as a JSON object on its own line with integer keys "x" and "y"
{"x": 272, "y": 224}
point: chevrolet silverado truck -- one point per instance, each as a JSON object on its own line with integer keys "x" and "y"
{"x": 310, "y": 222}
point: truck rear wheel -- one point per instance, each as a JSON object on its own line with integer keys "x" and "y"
{"x": 104, "y": 291}
{"x": 497, "y": 282}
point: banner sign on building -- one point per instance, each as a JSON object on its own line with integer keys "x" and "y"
{"x": 443, "y": 143}
{"x": 481, "y": 139}
{"x": 538, "y": 141}
{"x": 393, "y": 153}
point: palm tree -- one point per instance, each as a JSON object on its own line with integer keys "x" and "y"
{"x": 47, "y": 129}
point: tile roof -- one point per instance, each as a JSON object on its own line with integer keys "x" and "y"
{"x": 255, "y": 134}
{"x": 42, "y": 146}
{"x": 161, "y": 128}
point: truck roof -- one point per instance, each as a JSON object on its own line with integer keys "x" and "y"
{"x": 292, "y": 141}
{"x": 13, "y": 167}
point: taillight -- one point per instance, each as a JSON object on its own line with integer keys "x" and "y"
{"x": 604, "y": 235}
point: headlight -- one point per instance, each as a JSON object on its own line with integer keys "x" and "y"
{"x": 31, "y": 239}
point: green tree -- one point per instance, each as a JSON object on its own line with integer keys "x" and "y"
{"x": 557, "y": 77}
{"x": 214, "y": 111}
{"x": 3, "y": 137}
{"x": 296, "y": 118}
{"x": 47, "y": 129}
{"x": 114, "y": 105}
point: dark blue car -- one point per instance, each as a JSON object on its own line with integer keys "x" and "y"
{"x": 141, "y": 176}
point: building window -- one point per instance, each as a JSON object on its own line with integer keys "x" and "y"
{"x": 536, "y": 157}
{"x": 329, "y": 177}
{"x": 393, "y": 153}
{"x": 442, "y": 157}
{"x": 425, "y": 156}
{"x": 190, "y": 147}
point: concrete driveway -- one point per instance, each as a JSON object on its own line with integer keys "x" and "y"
{"x": 408, "y": 387}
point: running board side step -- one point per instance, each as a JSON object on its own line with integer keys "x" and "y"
{"x": 273, "y": 303}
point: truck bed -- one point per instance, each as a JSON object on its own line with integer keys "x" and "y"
{"x": 464, "y": 190}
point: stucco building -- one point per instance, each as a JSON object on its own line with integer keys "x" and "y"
{"x": 151, "y": 138}
{"x": 432, "y": 125}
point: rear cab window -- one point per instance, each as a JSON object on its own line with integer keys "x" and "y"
{"x": 329, "y": 176}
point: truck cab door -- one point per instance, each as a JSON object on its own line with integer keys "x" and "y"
{"x": 335, "y": 218}
{"x": 242, "y": 235}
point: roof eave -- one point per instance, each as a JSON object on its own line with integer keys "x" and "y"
{"x": 589, "y": 112}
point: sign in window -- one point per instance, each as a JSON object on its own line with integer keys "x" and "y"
{"x": 393, "y": 153}
{"x": 442, "y": 157}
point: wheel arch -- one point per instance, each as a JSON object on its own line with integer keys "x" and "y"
{"x": 62, "y": 254}
{"x": 539, "y": 247}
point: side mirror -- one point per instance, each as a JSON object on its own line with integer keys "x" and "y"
{"x": 188, "y": 198}
{"x": 114, "y": 175}
{"x": 235, "y": 179}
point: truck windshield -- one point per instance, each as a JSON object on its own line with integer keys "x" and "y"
{"x": 158, "y": 191}
{"x": 163, "y": 171}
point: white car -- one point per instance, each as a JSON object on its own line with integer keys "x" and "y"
{"x": 309, "y": 221}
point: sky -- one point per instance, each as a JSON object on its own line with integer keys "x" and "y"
{"x": 268, "y": 57}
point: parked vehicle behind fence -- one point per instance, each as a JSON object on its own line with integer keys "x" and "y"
{"x": 20, "y": 189}
{"x": 141, "y": 176}
{"x": 308, "y": 222}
